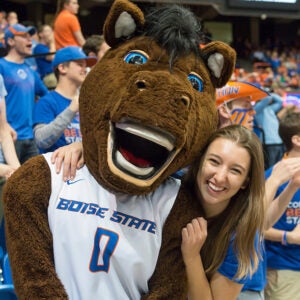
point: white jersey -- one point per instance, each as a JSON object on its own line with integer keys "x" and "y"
{"x": 105, "y": 244}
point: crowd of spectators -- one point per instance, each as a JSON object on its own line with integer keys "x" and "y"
{"x": 272, "y": 68}
{"x": 28, "y": 72}
{"x": 284, "y": 80}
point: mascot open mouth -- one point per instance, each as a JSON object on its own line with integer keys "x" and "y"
{"x": 140, "y": 151}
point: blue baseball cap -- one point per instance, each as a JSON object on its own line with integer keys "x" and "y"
{"x": 71, "y": 53}
{"x": 18, "y": 29}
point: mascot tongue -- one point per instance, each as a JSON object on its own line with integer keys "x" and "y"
{"x": 137, "y": 161}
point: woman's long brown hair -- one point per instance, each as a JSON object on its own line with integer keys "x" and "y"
{"x": 244, "y": 216}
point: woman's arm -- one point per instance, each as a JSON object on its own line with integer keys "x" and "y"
{"x": 219, "y": 287}
{"x": 223, "y": 288}
{"x": 193, "y": 238}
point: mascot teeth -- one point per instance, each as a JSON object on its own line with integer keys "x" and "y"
{"x": 160, "y": 138}
{"x": 132, "y": 168}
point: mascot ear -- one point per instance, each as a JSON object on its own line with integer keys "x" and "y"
{"x": 122, "y": 21}
{"x": 220, "y": 60}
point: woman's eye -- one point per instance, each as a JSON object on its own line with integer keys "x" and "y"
{"x": 213, "y": 161}
{"x": 236, "y": 171}
{"x": 196, "y": 82}
{"x": 136, "y": 58}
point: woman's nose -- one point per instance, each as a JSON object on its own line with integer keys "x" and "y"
{"x": 220, "y": 174}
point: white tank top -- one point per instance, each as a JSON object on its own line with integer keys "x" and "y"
{"x": 105, "y": 244}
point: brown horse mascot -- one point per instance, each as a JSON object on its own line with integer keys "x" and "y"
{"x": 146, "y": 110}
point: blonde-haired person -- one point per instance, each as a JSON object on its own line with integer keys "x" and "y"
{"x": 67, "y": 29}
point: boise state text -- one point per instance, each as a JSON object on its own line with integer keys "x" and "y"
{"x": 96, "y": 210}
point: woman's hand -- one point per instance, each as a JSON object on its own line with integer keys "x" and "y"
{"x": 193, "y": 238}
{"x": 71, "y": 156}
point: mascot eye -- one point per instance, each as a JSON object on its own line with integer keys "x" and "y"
{"x": 136, "y": 58}
{"x": 196, "y": 82}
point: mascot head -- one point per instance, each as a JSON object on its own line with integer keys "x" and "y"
{"x": 148, "y": 107}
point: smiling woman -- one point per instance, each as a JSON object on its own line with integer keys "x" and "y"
{"x": 224, "y": 172}
{"x": 228, "y": 182}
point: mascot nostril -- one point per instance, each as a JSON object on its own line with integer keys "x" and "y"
{"x": 114, "y": 231}
{"x": 141, "y": 84}
{"x": 185, "y": 100}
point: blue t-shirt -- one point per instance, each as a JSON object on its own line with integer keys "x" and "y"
{"x": 22, "y": 85}
{"x": 229, "y": 268}
{"x": 280, "y": 257}
{"x": 44, "y": 65}
{"x": 47, "y": 109}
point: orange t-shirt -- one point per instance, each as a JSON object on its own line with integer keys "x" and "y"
{"x": 65, "y": 25}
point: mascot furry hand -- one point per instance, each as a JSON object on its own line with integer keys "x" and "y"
{"x": 146, "y": 110}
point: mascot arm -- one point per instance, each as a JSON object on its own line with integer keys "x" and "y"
{"x": 169, "y": 279}
{"x": 28, "y": 237}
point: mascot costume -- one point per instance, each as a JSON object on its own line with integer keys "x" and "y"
{"x": 146, "y": 110}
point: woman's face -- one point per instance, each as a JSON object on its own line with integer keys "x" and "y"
{"x": 224, "y": 172}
